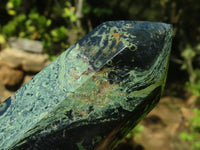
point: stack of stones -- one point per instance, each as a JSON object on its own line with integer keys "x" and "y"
{"x": 23, "y": 58}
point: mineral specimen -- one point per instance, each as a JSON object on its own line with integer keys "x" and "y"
{"x": 94, "y": 93}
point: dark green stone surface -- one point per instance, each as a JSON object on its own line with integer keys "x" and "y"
{"x": 94, "y": 92}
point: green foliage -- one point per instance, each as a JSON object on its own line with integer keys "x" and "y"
{"x": 195, "y": 122}
{"x": 194, "y": 88}
{"x": 14, "y": 26}
{"x": 136, "y": 132}
{"x": 44, "y": 26}
{"x": 69, "y": 12}
{"x": 193, "y": 136}
{"x": 87, "y": 8}
{"x": 31, "y": 26}
{"x": 191, "y": 55}
{"x": 102, "y": 11}
{"x": 2, "y": 39}
{"x": 52, "y": 58}
{"x": 59, "y": 33}
{"x": 188, "y": 52}
{"x": 13, "y": 6}
{"x": 187, "y": 137}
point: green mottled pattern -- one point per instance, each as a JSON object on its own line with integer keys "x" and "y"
{"x": 39, "y": 96}
{"x": 100, "y": 81}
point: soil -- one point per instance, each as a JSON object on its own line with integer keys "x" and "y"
{"x": 163, "y": 125}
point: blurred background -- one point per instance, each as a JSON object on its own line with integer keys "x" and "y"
{"x": 52, "y": 26}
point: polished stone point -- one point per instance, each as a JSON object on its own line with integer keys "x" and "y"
{"x": 94, "y": 93}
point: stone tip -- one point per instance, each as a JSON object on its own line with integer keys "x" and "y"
{"x": 108, "y": 80}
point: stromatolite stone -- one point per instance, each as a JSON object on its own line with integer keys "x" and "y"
{"x": 93, "y": 93}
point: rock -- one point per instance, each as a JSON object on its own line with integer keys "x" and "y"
{"x": 34, "y": 65}
{"x": 10, "y": 58}
{"x": 18, "y": 59}
{"x": 11, "y": 78}
{"x": 26, "y": 45}
{"x": 94, "y": 93}
{"x": 27, "y": 78}
{"x": 4, "y": 93}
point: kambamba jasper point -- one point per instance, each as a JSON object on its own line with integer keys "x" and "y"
{"x": 92, "y": 94}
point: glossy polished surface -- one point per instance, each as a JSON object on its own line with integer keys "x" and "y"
{"x": 100, "y": 87}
